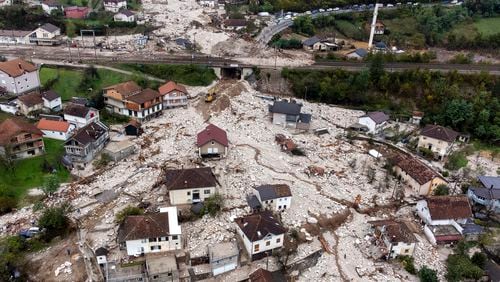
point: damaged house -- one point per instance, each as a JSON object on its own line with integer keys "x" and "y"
{"x": 276, "y": 197}
{"x": 288, "y": 114}
{"x": 212, "y": 142}
{"x": 86, "y": 143}
{"x": 487, "y": 194}
{"x": 443, "y": 216}
{"x": 261, "y": 233}
{"x": 188, "y": 186}
{"x": 438, "y": 139}
{"x": 20, "y": 140}
{"x": 394, "y": 238}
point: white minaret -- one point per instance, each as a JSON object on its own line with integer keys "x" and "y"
{"x": 372, "y": 29}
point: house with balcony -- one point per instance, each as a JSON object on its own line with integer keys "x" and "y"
{"x": 18, "y": 76}
{"x": 144, "y": 105}
{"x": 261, "y": 233}
{"x": 115, "y": 96}
{"x": 114, "y": 5}
{"x": 47, "y": 34}
{"x": 288, "y": 114}
{"x": 86, "y": 143}
{"x": 486, "y": 194}
{"x": 393, "y": 238}
{"x": 20, "y": 140}
{"x": 174, "y": 95}
{"x": 438, "y": 139}
{"x": 443, "y": 217}
{"x": 79, "y": 115}
{"x": 191, "y": 185}
{"x": 150, "y": 233}
{"x": 421, "y": 179}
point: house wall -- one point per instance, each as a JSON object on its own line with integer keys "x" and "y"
{"x": 116, "y": 156}
{"x": 179, "y": 197}
{"x": 123, "y": 18}
{"x": 281, "y": 119}
{"x": 114, "y": 7}
{"x": 210, "y": 147}
{"x": 175, "y": 99}
{"x": 319, "y": 46}
{"x": 424, "y": 189}
{"x": 81, "y": 122}
{"x": 26, "y": 147}
{"x": 368, "y": 122}
{"x": 273, "y": 244}
{"x": 58, "y": 134}
{"x": 25, "y": 110}
{"x": 20, "y": 84}
{"x": 221, "y": 265}
{"x": 53, "y": 105}
{"x": 439, "y": 147}
{"x": 246, "y": 242}
{"x": 136, "y": 247}
{"x": 41, "y": 33}
{"x": 8, "y": 108}
{"x": 277, "y": 204}
{"x": 401, "y": 249}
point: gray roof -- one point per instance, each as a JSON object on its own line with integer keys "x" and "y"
{"x": 253, "y": 202}
{"x": 311, "y": 41}
{"x": 285, "y": 107}
{"x": 361, "y": 52}
{"x": 127, "y": 13}
{"x": 381, "y": 45}
{"x": 50, "y": 95}
{"x": 270, "y": 192}
{"x": 305, "y": 118}
{"x": 486, "y": 193}
{"x": 490, "y": 181}
{"x": 377, "y": 117}
{"x": 471, "y": 228}
{"x": 14, "y": 33}
{"x": 49, "y": 27}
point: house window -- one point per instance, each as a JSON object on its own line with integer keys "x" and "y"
{"x": 278, "y": 240}
{"x": 175, "y": 237}
{"x": 189, "y": 193}
{"x": 163, "y": 239}
{"x": 256, "y": 248}
{"x": 407, "y": 251}
{"x": 279, "y": 207}
{"x": 207, "y": 192}
{"x": 154, "y": 248}
{"x": 153, "y": 239}
{"x": 144, "y": 240}
{"x": 268, "y": 243}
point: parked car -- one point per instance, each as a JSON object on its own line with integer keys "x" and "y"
{"x": 314, "y": 11}
{"x": 321, "y": 10}
{"x": 336, "y": 8}
{"x": 31, "y": 232}
{"x": 308, "y": 12}
{"x": 389, "y": 5}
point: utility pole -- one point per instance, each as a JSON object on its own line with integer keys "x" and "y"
{"x": 69, "y": 50}
{"x": 275, "y": 57}
{"x": 372, "y": 29}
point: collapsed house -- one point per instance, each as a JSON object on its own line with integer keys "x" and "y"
{"x": 393, "y": 238}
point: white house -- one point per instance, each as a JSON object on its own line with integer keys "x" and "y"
{"x": 150, "y": 233}
{"x": 124, "y": 16}
{"x": 51, "y": 5}
{"x": 55, "y": 129}
{"x": 114, "y": 5}
{"x": 261, "y": 233}
{"x": 9, "y": 107}
{"x": 394, "y": 238}
{"x": 80, "y": 115}
{"x": 442, "y": 216}
{"x": 487, "y": 194}
{"x": 14, "y": 36}
{"x": 208, "y": 3}
{"x": 287, "y": 114}
{"x": 4, "y": 3}
{"x": 374, "y": 121}
{"x": 438, "y": 139}
{"x": 18, "y": 76}
{"x": 47, "y": 34}
{"x": 51, "y": 100}
{"x": 174, "y": 95}
{"x": 277, "y": 197}
{"x": 188, "y": 186}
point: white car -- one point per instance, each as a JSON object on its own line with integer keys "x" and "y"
{"x": 336, "y": 8}
{"x": 389, "y": 5}
{"x": 308, "y": 13}
{"x": 321, "y": 10}
{"x": 287, "y": 17}
{"x": 416, "y": 4}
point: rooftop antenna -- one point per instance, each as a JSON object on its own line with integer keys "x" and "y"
{"x": 372, "y": 29}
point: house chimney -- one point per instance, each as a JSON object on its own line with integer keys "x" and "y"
{"x": 19, "y": 65}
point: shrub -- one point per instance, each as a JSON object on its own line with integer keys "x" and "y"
{"x": 408, "y": 264}
{"x": 441, "y": 190}
{"x": 55, "y": 221}
{"x": 129, "y": 210}
{"x": 460, "y": 267}
{"x": 426, "y": 152}
{"x": 456, "y": 161}
{"x": 50, "y": 184}
{"x": 445, "y": 173}
{"x": 427, "y": 275}
{"x": 7, "y": 204}
{"x": 212, "y": 205}
{"x": 479, "y": 259}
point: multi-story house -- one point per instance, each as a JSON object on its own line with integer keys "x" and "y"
{"x": 487, "y": 194}
{"x": 55, "y": 129}
{"x": 374, "y": 121}
{"x": 19, "y": 139}
{"x": 80, "y": 115}
{"x": 18, "y": 76}
{"x": 150, "y": 233}
{"x": 51, "y": 100}
{"x": 47, "y": 34}
{"x": 145, "y": 105}
{"x": 276, "y": 197}
{"x": 115, "y": 5}
{"x": 261, "y": 233}
{"x": 188, "y": 186}
{"x": 438, "y": 139}
{"x": 115, "y": 96}
{"x": 443, "y": 216}
{"x": 174, "y": 95}
{"x": 87, "y": 142}
{"x": 30, "y": 103}
{"x": 394, "y": 238}
{"x": 287, "y": 114}
{"x": 124, "y": 16}
{"x": 212, "y": 142}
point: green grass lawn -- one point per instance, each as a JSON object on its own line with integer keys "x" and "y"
{"x": 28, "y": 173}
{"x": 349, "y": 29}
{"x": 67, "y": 84}
{"x": 488, "y": 26}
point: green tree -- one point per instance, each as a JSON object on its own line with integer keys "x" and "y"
{"x": 376, "y": 68}
{"x": 479, "y": 259}
{"x": 129, "y": 210}
{"x": 212, "y": 205}
{"x": 304, "y": 25}
{"x": 427, "y": 275}
{"x": 50, "y": 184}
{"x": 456, "y": 161}
{"x": 54, "y": 221}
{"x": 441, "y": 190}
{"x": 267, "y": 7}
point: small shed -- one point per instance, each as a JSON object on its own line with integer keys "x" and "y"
{"x": 133, "y": 128}
{"x": 101, "y": 254}
{"x": 119, "y": 150}
{"x": 223, "y": 257}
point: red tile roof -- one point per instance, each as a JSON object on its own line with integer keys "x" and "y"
{"x": 17, "y": 67}
{"x": 212, "y": 133}
{"x": 449, "y": 207}
{"x": 12, "y": 127}
{"x": 415, "y": 169}
{"x": 171, "y": 86}
{"x": 144, "y": 96}
{"x": 53, "y": 125}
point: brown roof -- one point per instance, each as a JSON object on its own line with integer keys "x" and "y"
{"x": 53, "y": 125}
{"x": 144, "y": 96}
{"x": 258, "y": 226}
{"x": 439, "y": 132}
{"x": 50, "y": 95}
{"x": 269, "y": 192}
{"x": 31, "y": 99}
{"x": 262, "y": 275}
{"x": 415, "y": 168}
{"x": 171, "y": 86}
{"x": 89, "y": 133}
{"x": 76, "y": 110}
{"x": 212, "y": 133}
{"x": 235, "y": 22}
{"x": 126, "y": 88}
{"x": 377, "y": 117}
{"x": 144, "y": 226}
{"x": 449, "y": 207}
{"x": 395, "y": 231}
{"x": 17, "y": 67}
{"x": 178, "y": 179}
{"x": 12, "y": 127}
